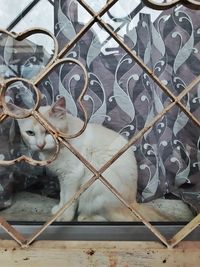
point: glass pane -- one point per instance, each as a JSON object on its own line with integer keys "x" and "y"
{"x": 192, "y": 100}
{"x": 70, "y": 19}
{"x": 25, "y": 58}
{"x": 41, "y": 15}
{"x": 96, "y": 5}
{"x": 46, "y": 106}
{"x": 166, "y": 41}
{"x": 9, "y": 10}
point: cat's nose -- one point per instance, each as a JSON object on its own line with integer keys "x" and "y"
{"x": 40, "y": 146}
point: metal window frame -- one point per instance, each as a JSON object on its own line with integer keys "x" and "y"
{"x": 12, "y": 229}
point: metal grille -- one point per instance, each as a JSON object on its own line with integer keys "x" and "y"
{"x": 61, "y": 139}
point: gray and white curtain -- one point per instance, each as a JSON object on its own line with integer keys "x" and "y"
{"x": 123, "y": 97}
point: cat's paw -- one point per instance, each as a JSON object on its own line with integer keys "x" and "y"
{"x": 67, "y": 216}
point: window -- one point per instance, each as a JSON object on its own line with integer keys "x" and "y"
{"x": 130, "y": 67}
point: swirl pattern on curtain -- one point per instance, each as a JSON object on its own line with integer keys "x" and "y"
{"x": 123, "y": 97}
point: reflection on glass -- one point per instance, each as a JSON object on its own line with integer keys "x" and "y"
{"x": 121, "y": 100}
{"x": 164, "y": 40}
{"x": 96, "y": 6}
{"x": 191, "y": 101}
{"x": 24, "y": 58}
{"x": 21, "y": 94}
{"x": 10, "y": 9}
{"x": 70, "y": 18}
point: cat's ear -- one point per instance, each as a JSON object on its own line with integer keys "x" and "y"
{"x": 58, "y": 110}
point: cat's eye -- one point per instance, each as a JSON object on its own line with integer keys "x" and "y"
{"x": 30, "y": 133}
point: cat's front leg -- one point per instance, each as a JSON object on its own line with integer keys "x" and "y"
{"x": 67, "y": 190}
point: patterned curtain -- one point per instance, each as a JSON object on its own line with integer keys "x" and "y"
{"x": 123, "y": 97}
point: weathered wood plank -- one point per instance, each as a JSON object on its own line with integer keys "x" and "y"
{"x": 99, "y": 254}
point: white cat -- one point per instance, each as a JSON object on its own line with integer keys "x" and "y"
{"x": 97, "y": 144}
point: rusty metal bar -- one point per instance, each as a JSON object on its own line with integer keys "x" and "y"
{"x": 80, "y": 98}
{"x": 60, "y": 212}
{"x": 162, "y": 6}
{"x": 33, "y": 111}
{"x": 12, "y": 232}
{"x": 7, "y": 108}
{"x": 25, "y": 34}
{"x": 185, "y": 231}
{"x": 86, "y": 27}
{"x": 133, "y": 209}
{"x": 3, "y": 117}
{"x": 97, "y": 174}
{"x": 146, "y": 69}
{"x": 193, "y": 4}
{"x": 176, "y": 100}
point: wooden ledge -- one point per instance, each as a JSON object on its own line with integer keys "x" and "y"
{"x": 99, "y": 254}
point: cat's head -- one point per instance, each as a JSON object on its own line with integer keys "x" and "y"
{"x": 34, "y": 134}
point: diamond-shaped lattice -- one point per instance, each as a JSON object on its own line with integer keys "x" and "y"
{"x": 98, "y": 173}
{"x": 21, "y": 98}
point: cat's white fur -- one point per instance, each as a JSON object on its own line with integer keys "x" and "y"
{"x": 97, "y": 144}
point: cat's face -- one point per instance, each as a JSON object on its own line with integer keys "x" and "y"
{"x": 35, "y": 135}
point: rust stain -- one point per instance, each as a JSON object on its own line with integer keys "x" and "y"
{"x": 90, "y": 252}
